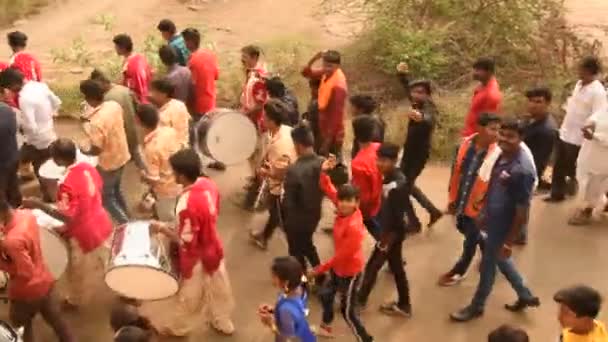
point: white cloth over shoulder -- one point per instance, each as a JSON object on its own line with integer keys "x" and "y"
{"x": 485, "y": 171}
{"x": 585, "y": 101}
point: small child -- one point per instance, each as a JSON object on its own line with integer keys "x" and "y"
{"x": 578, "y": 310}
{"x": 507, "y": 333}
{"x": 288, "y": 318}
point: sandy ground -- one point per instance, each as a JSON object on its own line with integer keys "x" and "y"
{"x": 558, "y": 255}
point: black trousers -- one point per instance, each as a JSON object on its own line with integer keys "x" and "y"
{"x": 394, "y": 257}
{"x": 9, "y": 184}
{"x": 31, "y": 154}
{"x": 412, "y": 166}
{"x": 302, "y": 247}
{"x": 275, "y": 216}
{"x": 564, "y": 169}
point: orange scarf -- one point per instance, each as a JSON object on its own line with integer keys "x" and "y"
{"x": 337, "y": 79}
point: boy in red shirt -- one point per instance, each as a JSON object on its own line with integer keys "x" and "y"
{"x": 87, "y": 224}
{"x": 30, "y": 290}
{"x": 21, "y": 59}
{"x": 346, "y": 265}
{"x": 366, "y": 175}
{"x": 136, "y": 71}
{"x": 487, "y": 97}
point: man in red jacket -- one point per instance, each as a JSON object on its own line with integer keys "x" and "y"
{"x": 30, "y": 290}
{"x": 366, "y": 175}
{"x": 346, "y": 265}
{"x": 87, "y": 224}
{"x": 487, "y": 97}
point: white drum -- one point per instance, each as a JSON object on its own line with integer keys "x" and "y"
{"x": 140, "y": 267}
{"x": 227, "y": 136}
{"x": 54, "y": 247}
{"x": 9, "y": 334}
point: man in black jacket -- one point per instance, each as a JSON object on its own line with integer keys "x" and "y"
{"x": 417, "y": 148}
{"x": 302, "y": 198}
{"x": 540, "y": 133}
{"x": 9, "y": 163}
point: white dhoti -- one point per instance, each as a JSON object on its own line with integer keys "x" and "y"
{"x": 593, "y": 188}
{"x": 203, "y": 297}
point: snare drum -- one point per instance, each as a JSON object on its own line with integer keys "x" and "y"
{"x": 53, "y": 246}
{"x": 140, "y": 266}
{"x": 227, "y": 136}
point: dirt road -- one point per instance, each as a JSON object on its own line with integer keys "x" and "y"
{"x": 589, "y": 16}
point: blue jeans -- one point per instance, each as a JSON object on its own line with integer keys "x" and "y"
{"x": 490, "y": 259}
{"x": 472, "y": 237}
{"x": 112, "y": 197}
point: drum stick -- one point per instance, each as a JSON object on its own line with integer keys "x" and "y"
{"x": 261, "y": 191}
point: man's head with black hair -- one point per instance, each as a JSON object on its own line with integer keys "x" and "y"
{"x": 186, "y": 165}
{"x": 303, "y": 139}
{"x": 93, "y": 92}
{"x": 364, "y": 128}
{"x": 250, "y": 55}
{"x": 275, "y": 114}
{"x": 539, "y": 100}
{"x": 507, "y": 333}
{"x": 192, "y": 38}
{"x": 98, "y": 76}
{"x": 147, "y": 116}
{"x": 348, "y": 200}
{"x": 589, "y": 68}
{"x": 63, "y": 152}
{"x": 161, "y": 91}
{"x": 123, "y": 44}
{"x": 387, "y": 154}
{"x": 484, "y": 69}
{"x": 578, "y": 306}
{"x": 12, "y": 79}
{"x": 510, "y": 135}
{"x": 420, "y": 91}
{"x": 362, "y": 104}
{"x": 17, "y": 40}
{"x": 167, "y": 29}
{"x": 331, "y": 60}
{"x": 275, "y": 86}
{"x": 167, "y": 55}
{"x": 488, "y": 126}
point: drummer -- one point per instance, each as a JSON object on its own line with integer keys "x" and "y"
{"x": 30, "y": 290}
{"x": 204, "y": 281}
{"x": 160, "y": 143}
{"x": 87, "y": 225}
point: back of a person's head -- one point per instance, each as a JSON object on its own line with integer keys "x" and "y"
{"x": 10, "y": 77}
{"x": 486, "y": 64}
{"x": 583, "y": 300}
{"x": 364, "y": 103}
{"x": 302, "y": 135}
{"x": 364, "y": 128}
{"x": 132, "y": 334}
{"x": 507, "y": 333}
{"x": 167, "y": 25}
{"x": 485, "y": 119}
{"x": 275, "y": 87}
{"x": 16, "y": 39}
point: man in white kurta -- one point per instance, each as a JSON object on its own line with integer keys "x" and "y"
{"x": 592, "y": 167}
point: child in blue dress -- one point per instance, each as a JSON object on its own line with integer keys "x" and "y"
{"x": 288, "y": 317}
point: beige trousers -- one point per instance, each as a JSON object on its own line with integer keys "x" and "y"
{"x": 203, "y": 297}
{"x": 84, "y": 273}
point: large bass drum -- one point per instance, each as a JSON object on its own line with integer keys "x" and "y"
{"x": 140, "y": 266}
{"x": 227, "y": 136}
{"x": 53, "y": 246}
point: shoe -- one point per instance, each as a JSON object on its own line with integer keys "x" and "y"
{"x": 581, "y": 218}
{"x": 467, "y": 314}
{"x": 258, "y": 241}
{"x": 325, "y": 331}
{"x": 434, "y": 218}
{"x": 393, "y": 309}
{"x": 554, "y": 199}
{"x": 450, "y": 279}
{"x": 522, "y": 304}
{"x": 216, "y": 165}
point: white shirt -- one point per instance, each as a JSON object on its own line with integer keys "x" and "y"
{"x": 38, "y": 105}
{"x": 593, "y": 157}
{"x": 584, "y": 102}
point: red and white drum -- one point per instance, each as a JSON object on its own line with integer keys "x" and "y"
{"x": 227, "y": 136}
{"x": 140, "y": 266}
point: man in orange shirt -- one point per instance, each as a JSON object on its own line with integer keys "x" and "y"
{"x": 108, "y": 141}
{"x": 205, "y": 71}
{"x": 30, "y": 290}
{"x": 173, "y": 113}
{"x": 160, "y": 143}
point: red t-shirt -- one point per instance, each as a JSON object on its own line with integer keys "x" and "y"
{"x": 3, "y": 66}
{"x": 22, "y": 259}
{"x": 205, "y": 71}
{"x": 486, "y": 99}
{"x": 197, "y": 213}
{"x": 28, "y": 65}
{"x": 349, "y": 234}
{"x": 137, "y": 75}
{"x": 255, "y": 93}
{"x": 368, "y": 179}
{"x": 79, "y": 198}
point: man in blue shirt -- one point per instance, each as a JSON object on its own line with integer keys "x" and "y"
{"x": 508, "y": 199}
{"x": 169, "y": 32}
{"x": 9, "y": 181}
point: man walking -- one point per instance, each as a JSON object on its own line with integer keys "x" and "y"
{"x": 168, "y": 30}
{"x": 487, "y": 97}
{"x": 588, "y": 98}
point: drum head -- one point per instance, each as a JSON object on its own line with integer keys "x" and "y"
{"x": 50, "y": 170}
{"x": 54, "y": 249}
{"x": 141, "y": 282}
{"x": 231, "y": 138}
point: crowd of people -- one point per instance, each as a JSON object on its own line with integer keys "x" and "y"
{"x": 152, "y": 118}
